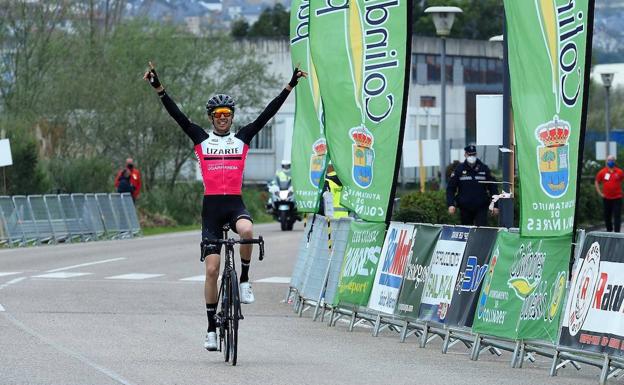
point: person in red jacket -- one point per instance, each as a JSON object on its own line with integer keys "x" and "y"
{"x": 135, "y": 178}
{"x": 611, "y": 178}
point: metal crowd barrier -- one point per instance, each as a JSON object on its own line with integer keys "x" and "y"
{"x": 49, "y": 219}
{"x": 315, "y": 280}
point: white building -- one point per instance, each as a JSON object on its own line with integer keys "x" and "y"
{"x": 473, "y": 67}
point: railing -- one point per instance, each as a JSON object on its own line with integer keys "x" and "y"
{"x": 455, "y": 283}
{"x": 49, "y": 219}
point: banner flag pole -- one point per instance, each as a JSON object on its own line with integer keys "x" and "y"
{"x": 588, "y": 55}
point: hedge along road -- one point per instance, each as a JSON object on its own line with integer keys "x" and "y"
{"x": 132, "y": 312}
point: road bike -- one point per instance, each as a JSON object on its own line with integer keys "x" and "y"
{"x": 229, "y": 313}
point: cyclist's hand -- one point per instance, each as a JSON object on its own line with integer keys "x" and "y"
{"x": 297, "y": 73}
{"x": 151, "y": 76}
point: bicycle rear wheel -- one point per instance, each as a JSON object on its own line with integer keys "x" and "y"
{"x": 234, "y": 312}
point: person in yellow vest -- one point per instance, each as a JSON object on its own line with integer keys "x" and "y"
{"x": 332, "y": 187}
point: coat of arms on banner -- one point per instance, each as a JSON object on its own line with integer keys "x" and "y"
{"x": 317, "y": 161}
{"x": 552, "y": 157}
{"x": 363, "y": 156}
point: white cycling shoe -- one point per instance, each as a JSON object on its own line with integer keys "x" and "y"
{"x": 246, "y": 294}
{"x": 210, "y": 343}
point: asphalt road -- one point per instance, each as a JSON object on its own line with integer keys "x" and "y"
{"x": 73, "y": 314}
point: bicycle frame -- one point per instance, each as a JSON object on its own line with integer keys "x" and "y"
{"x": 230, "y": 312}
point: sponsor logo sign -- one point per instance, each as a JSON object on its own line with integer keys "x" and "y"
{"x": 394, "y": 256}
{"x": 594, "y": 316}
{"x": 523, "y": 289}
{"x": 444, "y": 269}
{"x": 360, "y": 262}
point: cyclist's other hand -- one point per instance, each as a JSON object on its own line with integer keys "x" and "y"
{"x": 297, "y": 73}
{"x": 152, "y": 77}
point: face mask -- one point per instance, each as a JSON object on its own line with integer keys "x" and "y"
{"x": 471, "y": 159}
{"x": 130, "y": 166}
{"x": 611, "y": 163}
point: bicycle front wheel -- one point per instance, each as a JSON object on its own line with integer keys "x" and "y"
{"x": 234, "y": 312}
{"x": 226, "y": 315}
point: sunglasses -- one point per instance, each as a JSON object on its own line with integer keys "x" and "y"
{"x": 221, "y": 113}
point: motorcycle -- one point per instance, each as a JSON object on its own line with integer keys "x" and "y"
{"x": 281, "y": 203}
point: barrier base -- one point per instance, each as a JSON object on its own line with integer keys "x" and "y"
{"x": 610, "y": 367}
{"x": 411, "y": 327}
{"x": 387, "y": 321}
{"x": 494, "y": 346}
{"x": 430, "y": 332}
{"x": 455, "y": 336}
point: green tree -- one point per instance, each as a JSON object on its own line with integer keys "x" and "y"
{"x": 91, "y": 102}
{"x": 480, "y": 19}
{"x": 240, "y": 28}
{"x": 26, "y": 175}
{"x": 273, "y": 22}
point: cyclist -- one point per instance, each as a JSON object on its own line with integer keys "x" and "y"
{"x": 221, "y": 155}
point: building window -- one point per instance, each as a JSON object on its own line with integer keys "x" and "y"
{"x": 427, "y": 101}
{"x": 435, "y": 131}
{"x": 264, "y": 139}
{"x": 433, "y": 68}
{"x": 422, "y": 132}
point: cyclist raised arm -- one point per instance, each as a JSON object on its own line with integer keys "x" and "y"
{"x": 222, "y": 155}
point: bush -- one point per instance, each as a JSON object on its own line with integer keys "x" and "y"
{"x": 182, "y": 205}
{"x": 427, "y": 207}
{"x": 255, "y": 199}
{"x": 81, "y": 175}
{"x": 26, "y": 175}
{"x": 590, "y": 206}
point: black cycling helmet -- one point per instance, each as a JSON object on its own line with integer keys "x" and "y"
{"x": 220, "y": 100}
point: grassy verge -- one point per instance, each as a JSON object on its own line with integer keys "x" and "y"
{"x": 147, "y": 231}
{"x": 169, "y": 229}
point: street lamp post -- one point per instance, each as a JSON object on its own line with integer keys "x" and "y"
{"x": 443, "y": 18}
{"x": 506, "y": 206}
{"x": 607, "y": 79}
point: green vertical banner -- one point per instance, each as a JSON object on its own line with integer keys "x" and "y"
{"x": 361, "y": 50}
{"x": 360, "y": 263}
{"x": 309, "y": 147}
{"x": 547, "y": 42}
{"x": 523, "y": 290}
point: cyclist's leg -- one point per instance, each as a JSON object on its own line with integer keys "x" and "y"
{"x": 242, "y": 224}
{"x": 210, "y": 230}
{"x": 244, "y": 228}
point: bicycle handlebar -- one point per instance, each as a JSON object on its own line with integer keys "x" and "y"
{"x": 231, "y": 241}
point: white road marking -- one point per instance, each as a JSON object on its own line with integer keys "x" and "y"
{"x": 2, "y": 308}
{"x": 60, "y": 275}
{"x": 108, "y": 372}
{"x": 16, "y": 280}
{"x": 5, "y": 273}
{"x": 197, "y": 278}
{"x": 274, "y": 280}
{"x": 135, "y": 276}
{"x": 85, "y": 264}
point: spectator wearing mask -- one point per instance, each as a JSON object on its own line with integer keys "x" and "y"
{"x": 464, "y": 190}
{"x": 135, "y": 178}
{"x": 124, "y": 184}
{"x": 611, "y": 179}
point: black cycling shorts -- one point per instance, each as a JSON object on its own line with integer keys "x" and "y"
{"x": 217, "y": 210}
